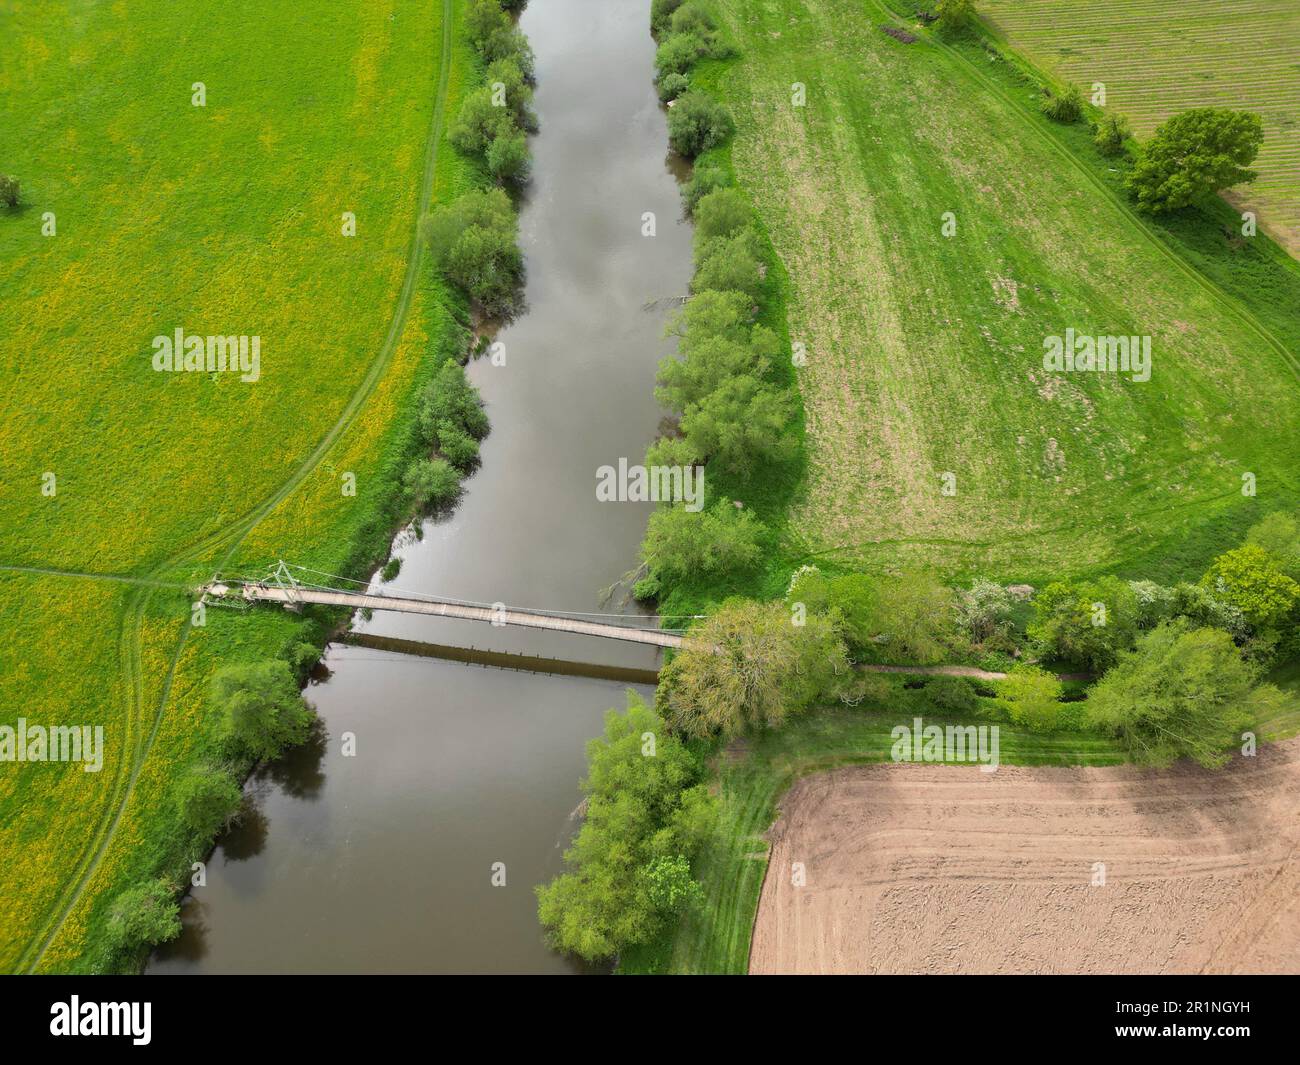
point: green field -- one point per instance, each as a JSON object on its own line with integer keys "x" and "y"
{"x": 752, "y": 777}
{"x": 1156, "y": 59}
{"x": 925, "y": 351}
{"x": 223, "y": 219}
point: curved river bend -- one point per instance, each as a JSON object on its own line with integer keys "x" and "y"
{"x": 382, "y": 862}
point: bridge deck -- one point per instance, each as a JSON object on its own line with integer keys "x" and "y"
{"x": 526, "y": 619}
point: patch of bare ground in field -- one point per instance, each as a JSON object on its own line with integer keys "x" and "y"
{"x": 946, "y": 869}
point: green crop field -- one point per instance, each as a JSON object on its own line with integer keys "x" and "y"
{"x": 120, "y": 485}
{"x": 935, "y": 434}
{"x": 1157, "y": 58}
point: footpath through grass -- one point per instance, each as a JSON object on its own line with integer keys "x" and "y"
{"x": 222, "y": 219}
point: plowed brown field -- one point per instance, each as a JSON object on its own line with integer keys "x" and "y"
{"x": 944, "y": 869}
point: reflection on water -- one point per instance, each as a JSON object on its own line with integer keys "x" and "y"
{"x": 382, "y": 862}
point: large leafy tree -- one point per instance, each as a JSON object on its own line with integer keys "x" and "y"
{"x": 1194, "y": 154}
{"x": 682, "y": 544}
{"x": 1088, "y": 623}
{"x": 628, "y": 870}
{"x": 263, "y": 709}
{"x": 748, "y": 667}
{"x": 1182, "y": 692}
{"x": 1250, "y": 579}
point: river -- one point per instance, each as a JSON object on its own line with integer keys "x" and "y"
{"x": 383, "y": 861}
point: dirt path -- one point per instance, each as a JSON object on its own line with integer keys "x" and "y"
{"x": 944, "y": 869}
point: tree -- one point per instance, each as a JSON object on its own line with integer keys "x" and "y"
{"x": 1088, "y": 624}
{"x": 985, "y": 612}
{"x": 9, "y": 191}
{"x": 1181, "y": 692}
{"x": 710, "y": 363}
{"x": 483, "y": 19}
{"x": 262, "y": 707}
{"x": 473, "y": 243}
{"x": 661, "y": 12}
{"x": 508, "y": 159}
{"x": 431, "y": 483}
{"x": 722, "y": 213}
{"x": 479, "y": 123}
{"x": 1065, "y": 106}
{"x": 1112, "y": 132}
{"x": 1030, "y": 697}
{"x": 955, "y": 694}
{"x": 449, "y": 397}
{"x": 209, "y": 799}
{"x": 697, "y": 123}
{"x": 628, "y": 867}
{"x": 748, "y": 667}
{"x": 1251, "y": 580}
{"x": 671, "y": 86}
{"x": 729, "y": 264}
{"x": 143, "y": 916}
{"x": 712, "y": 313}
{"x": 518, "y": 93}
{"x": 740, "y": 423}
{"x": 704, "y": 179}
{"x": 955, "y": 17}
{"x": 678, "y": 53}
{"x": 690, "y": 545}
{"x": 912, "y": 619}
{"x": 1195, "y": 154}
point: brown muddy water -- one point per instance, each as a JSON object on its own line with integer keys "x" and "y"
{"x": 383, "y": 862}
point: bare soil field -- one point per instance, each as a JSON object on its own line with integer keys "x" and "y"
{"x": 945, "y": 869}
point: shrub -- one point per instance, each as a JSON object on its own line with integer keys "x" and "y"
{"x": 143, "y": 916}
{"x": 672, "y": 86}
{"x": 690, "y": 545}
{"x": 1193, "y": 155}
{"x": 956, "y": 694}
{"x": 740, "y": 424}
{"x": 912, "y": 619}
{"x": 678, "y": 53}
{"x": 508, "y": 160}
{"x": 479, "y": 123}
{"x": 302, "y": 658}
{"x": 697, "y": 123}
{"x": 1112, "y": 132}
{"x": 1030, "y": 696}
{"x": 661, "y": 11}
{"x": 1251, "y": 580}
{"x": 457, "y": 446}
{"x": 483, "y": 19}
{"x": 628, "y": 868}
{"x": 704, "y": 179}
{"x": 518, "y": 93}
{"x": 1279, "y": 535}
{"x": 1181, "y": 692}
{"x": 984, "y": 612}
{"x": 722, "y": 213}
{"x": 512, "y": 46}
{"x": 1089, "y": 623}
{"x": 263, "y": 710}
{"x": 730, "y": 264}
{"x": 9, "y": 191}
{"x": 955, "y": 17}
{"x": 472, "y": 241}
{"x": 747, "y": 667}
{"x": 449, "y": 397}
{"x": 1064, "y": 107}
{"x": 209, "y": 799}
{"x": 431, "y": 483}
{"x": 391, "y": 569}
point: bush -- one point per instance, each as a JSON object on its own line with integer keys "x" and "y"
{"x": 473, "y": 243}
{"x": 740, "y": 424}
{"x": 678, "y": 53}
{"x": 264, "y": 712}
{"x": 627, "y": 871}
{"x": 143, "y": 916}
{"x": 9, "y": 191}
{"x": 955, "y": 694}
{"x": 1181, "y": 692}
{"x": 1089, "y": 623}
{"x": 984, "y": 612}
{"x": 704, "y": 179}
{"x": 512, "y": 46}
{"x": 483, "y": 19}
{"x": 1064, "y": 107}
{"x": 956, "y": 18}
{"x": 1193, "y": 155}
{"x": 1112, "y": 132}
{"x": 449, "y": 397}
{"x": 302, "y": 658}
{"x": 911, "y": 620}
{"x": 730, "y": 264}
{"x": 661, "y": 11}
{"x": 431, "y": 483}
{"x": 748, "y": 667}
{"x": 697, "y": 123}
{"x": 1250, "y": 579}
{"x": 518, "y": 93}
{"x": 690, "y": 545}
{"x": 722, "y": 213}
{"x": 457, "y": 446}
{"x": 209, "y": 799}
{"x": 672, "y": 86}
{"x": 1030, "y": 696}
{"x": 508, "y": 160}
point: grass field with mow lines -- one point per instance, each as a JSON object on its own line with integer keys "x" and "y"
{"x": 925, "y": 352}
{"x": 1157, "y": 58}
